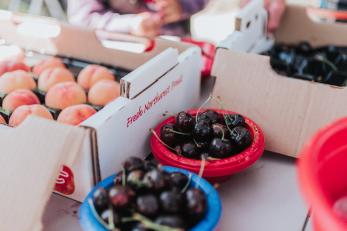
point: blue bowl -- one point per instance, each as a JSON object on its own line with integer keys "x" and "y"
{"x": 208, "y": 223}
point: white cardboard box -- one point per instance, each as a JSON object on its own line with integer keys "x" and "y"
{"x": 162, "y": 80}
{"x": 288, "y": 110}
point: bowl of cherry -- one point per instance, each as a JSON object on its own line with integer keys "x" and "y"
{"x": 145, "y": 196}
{"x": 213, "y": 142}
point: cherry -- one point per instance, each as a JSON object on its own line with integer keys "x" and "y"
{"x": 170, "y": 221}
{"x": 178, "y": 149}
{"x": 209, "y": 116}
{"x": 220, "y": 148}
{"x": 167, "y": 135}
{"x": 154, "y": 180}
{"x": 241, "y": 137}
{"x": 178, "y": 180}
{"x": 147, "y": 205}
{"x": 134, "y": 178}
{"x": 133, "y": 163}
{"x": 107, "y": 213}
{"x": 190, "y": 150}
{"x": 171, "y": 201}
{"x": 118, "y": 178}
{"x": 150, "y": 164}
{"x": 100, "y": 199}
{"x": 195, "y": 203}
{"x": 220, "y": 130}
{"x": 202, "y": 131}
{"x": 234, "y": 120}
{"x": 184, "y": 122}
{"x": 121, "y": 197}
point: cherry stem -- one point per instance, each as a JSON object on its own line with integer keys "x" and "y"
{"x": 196, "y": 143}
{"x": 184, "y": 189}
{"x": 221, "y": 129}
{"x": 148, "y": 224}
{"x": 201, "y": 171}
{"x": 96, "y": 215}
{"x": 202, "y": 105}
{"x": 111, "y": 218}
{"x": 179, "y": 133}
{"x": 162, "y": 142}
{"x": 123, "y": 177}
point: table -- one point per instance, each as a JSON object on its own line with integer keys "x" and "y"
{"x": 265, "y": 197}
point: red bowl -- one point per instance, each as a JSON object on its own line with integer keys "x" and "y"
{"x": 215, "y": 170}
{"x": 322, "y": 170}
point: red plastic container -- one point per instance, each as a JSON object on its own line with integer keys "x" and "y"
{"x": 216, "y": 170}
{"x": 322, "y": 169}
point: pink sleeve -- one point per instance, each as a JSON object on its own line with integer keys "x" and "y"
{"x": 91, "y": 13}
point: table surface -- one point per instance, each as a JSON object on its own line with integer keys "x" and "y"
{"x": 265, "y": 197}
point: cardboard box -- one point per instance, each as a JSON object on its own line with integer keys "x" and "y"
{"x": 289, "y": 110}
{"x": 160, "y": 82}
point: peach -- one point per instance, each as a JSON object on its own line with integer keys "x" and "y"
{"x": 50, "y": 77}
{"x": 46, "y": 64}
{"x": 16, "y": 80}
{"x": 18, "y": 98}
{"x": 76, "y": 114}
{"x": 91, "y": 74}
{"x": 9, "y": 66}
{"x": 103, "y": 92}
{"x": 63, "y": 95}
{"x": 22, "y": 112}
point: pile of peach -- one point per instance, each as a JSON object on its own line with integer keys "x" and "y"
{"x": 72, "y": 98}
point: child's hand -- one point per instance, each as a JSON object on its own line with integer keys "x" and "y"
{"x": 170, "y": 10}
{"x": 275, "y": 9}
{"x": 148, "y": 25}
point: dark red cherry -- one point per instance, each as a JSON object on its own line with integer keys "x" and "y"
{"x": 220, "y": 148}
{"x": 184, "y": 122}
{"x": 167, "y": 134}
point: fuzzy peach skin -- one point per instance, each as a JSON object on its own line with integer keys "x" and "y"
{"x": 91, "y": 74}
{"x": 22, "y": 112}
{"x": 9, "y": 66}
{"x": 63, "y": 95}
{"x": 52, "y": 76}
{"x": 18, "y": 98}
{"x": 103, "y": 92}
{"x": 76, "y": 114}
{"x": 16, "y": 80}
{"x": 2, "y": 120}
{"x": 46, "y": 64}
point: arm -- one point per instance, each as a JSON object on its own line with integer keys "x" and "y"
{"x": 91, "y": 13}
{"x": 190, "y": 7}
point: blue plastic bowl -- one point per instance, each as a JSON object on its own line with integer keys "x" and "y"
{"x": 213, "y": 214}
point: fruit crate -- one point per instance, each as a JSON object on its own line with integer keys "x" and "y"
{"x": 159, "y": 81}
{"x": 289, "y": 110}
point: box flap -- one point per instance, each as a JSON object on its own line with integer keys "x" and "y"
{"x": 29, "y": 170}
{"x": 297, "y": 26}
{"x": 144, "y": 76}
{"x": 250, "y": 33}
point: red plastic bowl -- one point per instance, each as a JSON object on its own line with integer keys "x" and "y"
{"x": 216, "y": 170}
{"x": 322, "y": 170}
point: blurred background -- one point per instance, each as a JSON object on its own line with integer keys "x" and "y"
{"x": 203, "y": 24}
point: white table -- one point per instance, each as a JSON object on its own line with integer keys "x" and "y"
{"x": 264, "y": 198}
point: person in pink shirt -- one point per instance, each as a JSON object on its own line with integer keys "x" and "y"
{"x": 138, "y": 17}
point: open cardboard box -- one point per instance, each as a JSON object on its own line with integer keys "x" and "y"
{"x": 162, "y": 80}
{"x": 289, "y": 110}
